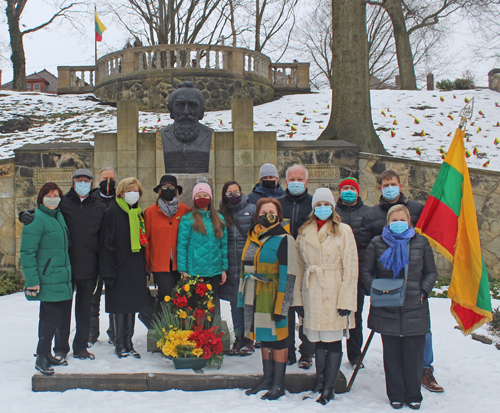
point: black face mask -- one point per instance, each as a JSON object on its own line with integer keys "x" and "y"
{"x": 168, "y": 194}
{"x": 107, "y": 187}
{"x": 268, "y": 184}
{"x": 234, "y": 199}
{"x": 268, "y": 220}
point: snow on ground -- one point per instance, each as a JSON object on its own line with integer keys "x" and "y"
{"x": 468, "y": 370}
{"x": 73, "y": 118}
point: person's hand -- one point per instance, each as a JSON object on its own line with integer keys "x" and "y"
{"x": 224, "y": 277}
{"x": 110, "y": 282}
{"x": 279, "y": 317}
{"x": 184, "y": 274}
{"x": 424, "y": 296}
{"x": 300, "y": 311}
{"x": 344, "y": 313}
{"x": 26, "y": 217}
{"x": 32, "y": 291}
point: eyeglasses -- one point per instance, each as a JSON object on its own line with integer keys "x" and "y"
{"x": 165, "y": 187}
{"x": 231, "y": 194}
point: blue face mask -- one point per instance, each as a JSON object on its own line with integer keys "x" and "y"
{"x": 82, "y": 188}
{"x": 323, "y": 212}
{"x": 296, "y": 188}
{"x": 390, "y": 193}
{"x": 398, "y": 227}
{"x": 348, "y": 196}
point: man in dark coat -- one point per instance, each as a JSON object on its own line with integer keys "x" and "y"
{"x": 268, "y": 186}
{"x": 297, "y": 206}
{"x": 351, "y": 209}
{"x": 372, "y": 225}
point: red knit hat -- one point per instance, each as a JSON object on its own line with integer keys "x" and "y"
{"x": 349, "y": 181}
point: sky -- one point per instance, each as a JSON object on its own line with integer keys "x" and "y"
{"x": 61, "y": 45}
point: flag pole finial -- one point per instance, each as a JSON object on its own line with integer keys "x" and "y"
{"x": 466, "y": 114}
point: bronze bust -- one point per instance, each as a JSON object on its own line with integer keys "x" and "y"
{"x": 186, "y": 142}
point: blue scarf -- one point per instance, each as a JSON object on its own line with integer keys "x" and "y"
{"x": 270, "y": 193}
{"x": 396, "y": 256}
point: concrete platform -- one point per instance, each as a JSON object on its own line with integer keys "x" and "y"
{"x": 295, "y": 383}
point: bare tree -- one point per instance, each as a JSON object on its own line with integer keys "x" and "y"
{"x": 484, "y": 17}
{"x": 14, "y": 10}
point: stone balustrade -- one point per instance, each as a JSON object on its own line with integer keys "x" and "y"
{"x": 76, "y": 79}
{"x": 288, "y": 76}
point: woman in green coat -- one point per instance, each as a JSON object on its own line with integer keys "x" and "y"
{"x": 47, "y": 270}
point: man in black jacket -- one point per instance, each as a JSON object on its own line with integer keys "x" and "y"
{"x": 297, "y": 206}
{"x": 351, "y": 210}
{"x": 268, "y": 185}
{"x": 373, "y": 223}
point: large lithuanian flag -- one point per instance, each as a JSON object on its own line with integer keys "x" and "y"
{"x": 449, "y": 222}
{"x": 99, "y": 28}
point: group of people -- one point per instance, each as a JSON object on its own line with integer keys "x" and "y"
{"x": 273, "y": 254}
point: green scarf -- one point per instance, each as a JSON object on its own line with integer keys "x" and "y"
{"x": 137, "y": 229}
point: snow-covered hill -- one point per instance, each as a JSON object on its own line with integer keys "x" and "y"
{"x": 404, "y": 120}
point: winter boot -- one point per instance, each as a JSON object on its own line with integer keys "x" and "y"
{"x": 333, "y": 362}
{"x": 57, "y": 361}
{"x": 43, "y": 365}
{"x": 267, "y": 379}
{"x": 129, "y": 333}
{"x": 111, "y": 330}
{"x": 237, "y": 345}
{"x": 119, "y": 321}
{"x": 320, "y": 374}
{"x": 429, "y": 382}
{"x": 278, "y": 388}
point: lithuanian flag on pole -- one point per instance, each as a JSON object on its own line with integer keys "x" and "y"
{"x": 99, "y": 28}
{"x": 449, "y": 222}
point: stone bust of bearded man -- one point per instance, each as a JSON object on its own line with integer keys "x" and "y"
{"x": 186, "y": 142}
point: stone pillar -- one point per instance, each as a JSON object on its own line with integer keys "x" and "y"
{"x": 266, "y": 151}
{"x": 236, "y": 61}
{"x": 242, "y": 121}
{"x": 397, "y": 81}
{"x": 130, "y": 61}
{"x": 146, "y": 167}
{"x": 126, "y": 142}
{"x": 7, "y": 215}
{"x": 430, "y": 81}
{"x": 303, "y": 76}
{"x": 104, "y": 152}
{"x": 64, "y": 79}
{"x": 223, "y": 162}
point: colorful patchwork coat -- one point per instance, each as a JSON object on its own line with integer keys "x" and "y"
{"x": 267, "y": 281}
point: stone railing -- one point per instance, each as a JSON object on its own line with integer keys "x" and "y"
{"x": 286, "y": 76}
{"x": 76, "y": 79}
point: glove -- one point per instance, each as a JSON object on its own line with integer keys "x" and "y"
{"x": 300, "y": 311}
{"x": 110, "y": 282}
{"x": 424, "y": 295}
{"x": 26, "y": 217}
{"x": 344, "y": 313}
{"x": 279, "y": 317}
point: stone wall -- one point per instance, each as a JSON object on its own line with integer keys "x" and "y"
{"x": 494, "y": 80}
{"x": 7, "y": 215}
{"x": 151, "y": 90}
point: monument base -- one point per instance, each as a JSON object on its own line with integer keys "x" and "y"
{"x": 188, "y": 181}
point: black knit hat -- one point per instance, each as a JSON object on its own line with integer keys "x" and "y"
{"x": 168, "y": 179}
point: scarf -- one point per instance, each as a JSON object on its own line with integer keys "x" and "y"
{"x": 270, "y": 193}
{"x": 168, "y": 208}
{"x": 396, "y": 256}
{"x": 137, "y": 228}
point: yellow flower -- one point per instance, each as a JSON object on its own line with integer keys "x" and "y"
{"x": 186, "y": 287}
{"x": 182, "y": 314}
{"x": 209, "y": 318}
{"x": 198, "y": 352}
{"x": 209, "y": 287}
{"x": 167, "y": 298}
{"x": 209, "y": 305}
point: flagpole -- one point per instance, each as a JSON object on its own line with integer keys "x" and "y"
{"x": 95, "y": 39}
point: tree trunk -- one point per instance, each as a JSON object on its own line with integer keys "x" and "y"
{"x": 351, "y": 116}
{"x": 404, "y": 54}
{"x": 233, "y": 27}
{"x": 16, "y": 44}
{"x": 257, "y": 26}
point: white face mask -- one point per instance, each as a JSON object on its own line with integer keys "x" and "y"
{"x": 51, "y": 202}
{"x": 132, "y": 197}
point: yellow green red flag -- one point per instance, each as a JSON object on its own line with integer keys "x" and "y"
{"x": 99, "y": 28}
{"x": 449, "y": 222}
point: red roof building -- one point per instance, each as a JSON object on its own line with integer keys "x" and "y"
{"x": 43, "y": 81}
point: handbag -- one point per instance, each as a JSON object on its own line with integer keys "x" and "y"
{"x": 147, "y": 317}
{"x": 389, "y": 292}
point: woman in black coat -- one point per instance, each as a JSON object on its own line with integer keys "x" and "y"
{"x": 122, "y": 263}
{"x": 238, "y": 213}
{"x": 403, "y": 329}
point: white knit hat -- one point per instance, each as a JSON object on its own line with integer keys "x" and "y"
{"x": 323, "y": 194}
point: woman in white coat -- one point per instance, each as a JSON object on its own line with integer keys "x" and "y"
{"x": 327, "y": 287}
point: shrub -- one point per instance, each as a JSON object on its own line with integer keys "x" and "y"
{"x": 495, "y": 289}
{"x": 494, "y": 325}
{"x": 445, "y": 84}
{"x": 464, "y": 84}
{"x": 10, "y": 283}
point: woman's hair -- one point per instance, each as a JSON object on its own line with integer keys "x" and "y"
{"x": 263, "y": 201}
{"x": 224, "y": 210}
{"x": 45, "y": 189}
{"x": 217, "y": 223}
{"x": 335, "y": 218}
{"x": 399, "y": 208}
{"x": 127, "y": 183}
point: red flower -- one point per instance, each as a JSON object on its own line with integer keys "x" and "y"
{"x": 180, "y": 302}
{"x": 201, "y": 289}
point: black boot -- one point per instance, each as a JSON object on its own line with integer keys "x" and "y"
{"x": 120, "y": 326}
{"x": 111, "y": 330}
{"x": 278, "y": 388}
{"x": 43, "y": 365}
{"x": 320, "y": 374}
{"x": 129, "y": 333}
{"x": 267, "y": 379}
{"x": 56, "y": 361}
{"x": 333, "y": 362}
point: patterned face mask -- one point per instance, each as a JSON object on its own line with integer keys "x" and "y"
{"x": 268, "y": 220}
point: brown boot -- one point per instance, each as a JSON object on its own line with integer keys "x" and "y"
{"x": 430, "y": 383}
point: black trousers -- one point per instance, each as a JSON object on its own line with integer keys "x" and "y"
{"x": 306, "y": 348}
{"x": 403, "y": 358}
{"x": 332, "y": 346}
{"x": 95, "y": 312}
{"x": 355, "y": 341}
{"x": 166, "y": 281}
{"x": 83, "y": 304}
{"x": 49, "y": 318}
